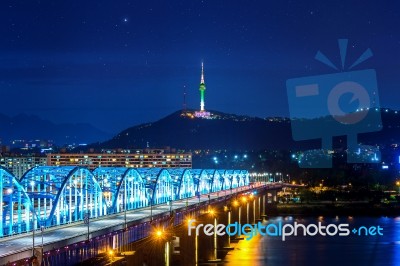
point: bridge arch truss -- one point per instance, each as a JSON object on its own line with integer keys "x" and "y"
{"x": 62, "y": 195}
{"x": 56, "y": 195}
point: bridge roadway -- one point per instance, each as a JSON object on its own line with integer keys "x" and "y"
{"x": 17, "y": 247}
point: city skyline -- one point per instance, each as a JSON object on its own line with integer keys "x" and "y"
{"x": 119, "y": 65}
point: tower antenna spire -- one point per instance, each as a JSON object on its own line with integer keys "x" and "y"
{"x": 184, "y": 98}
{"x": 202, "y": 73}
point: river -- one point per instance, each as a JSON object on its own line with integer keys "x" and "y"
{"x": 320, "y": 250}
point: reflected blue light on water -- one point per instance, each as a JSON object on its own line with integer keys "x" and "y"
{"x": 322, "y": 250}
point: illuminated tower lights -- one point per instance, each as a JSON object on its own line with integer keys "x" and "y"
{"x": 202, "y": 89}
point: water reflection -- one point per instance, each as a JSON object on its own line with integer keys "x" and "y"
{"x": 246, "y": 253}
{"x": 320, "y": 250}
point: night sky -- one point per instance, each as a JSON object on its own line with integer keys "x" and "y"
{"x": 116, "y": 64}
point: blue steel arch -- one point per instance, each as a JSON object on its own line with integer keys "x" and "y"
{"x": 205, "y": 180}
{"x": 109, "y": 179}
{"x": 160, "y": 182}
{"x": 183, "y": 182}
{"x": 196, "y": 179}
{"x": 221, "y": 181}
{"x": 63, "y": 194}
{"x": 122, "y": 187}
{"x": 134, "y": 188}
{"x": 244, "y": 178}
{"x": 235, "y": 177}
{"x": 215, "y": 181}
{"x": 11, "y": 218}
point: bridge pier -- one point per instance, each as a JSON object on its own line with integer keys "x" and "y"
{"x": 258, "y": 213}
{"x": 187, "y": 246}
{"x": 264, "y": 203}
{"x": 226, "y": 218}
{"x": 273, "y": 198}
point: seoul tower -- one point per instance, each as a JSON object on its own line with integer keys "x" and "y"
{"x": 202, "y": 89}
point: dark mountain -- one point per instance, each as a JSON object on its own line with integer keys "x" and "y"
{"x": 223, "y": 131}
{"x": 30, "y": 127}
{"x": 390, "y": 133}
{"x": 234, "y": 132}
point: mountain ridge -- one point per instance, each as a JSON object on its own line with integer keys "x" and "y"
{"x": 236, "y": 132}
{"x": 31, "y": 127}
{"x": 181, "y": 130}
{"x": 185, "y": 132}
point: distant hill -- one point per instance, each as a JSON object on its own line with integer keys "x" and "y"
{"x": 234, "y": 132}
{"x": 31, "y": 127}
{"x": 225, "y": 131}
{"x": 390, "y": 133}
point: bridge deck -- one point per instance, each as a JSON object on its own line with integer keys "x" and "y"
{"x": 18, "y": 247}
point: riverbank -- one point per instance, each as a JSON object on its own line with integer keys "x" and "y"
{"x": 333, "y": 209}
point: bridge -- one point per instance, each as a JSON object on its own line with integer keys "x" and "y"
{"x": 74, "y": 214}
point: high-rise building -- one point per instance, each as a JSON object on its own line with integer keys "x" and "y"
{"x": 18, "y": 165}
{"x": 127, "y": 158}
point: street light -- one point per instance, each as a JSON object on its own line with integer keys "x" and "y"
{"x": 254, "y": 207}
{"x": 398, "y": 185}
{"x": 111, "y": 253}
{"x": 125, "y": 238}
{"x": 151, "y": 208}
{"x": 212, "y": 213}
{"x": 150, "y": 187}
{"x": 33, "y": 230}
{"x": 125, "y": 205}
{"x": 227, "y": 208}
{"x": 87, "y": 222}
{"x": 42, "y": 229}
{"x": 187, "y": 196}
{"x": 209, "y": 192}
{"x": 32, "y": 183}
{"x": 196, "y": 244}
{"x": 248, "y": 208}
{"x": 87, "y": 215}
{"x": 236, "y": 203}
{"x": 244, "y": 199}
{"x": 171, "y": 198}
{"x": 170, "y": 206}
{"x": 162, "y": 235}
